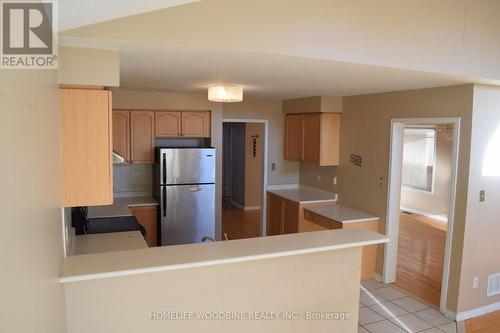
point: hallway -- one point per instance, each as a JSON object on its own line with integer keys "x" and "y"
{"x": 239, "y": 224}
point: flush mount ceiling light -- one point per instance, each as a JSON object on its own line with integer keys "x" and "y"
{"x": 225, "y": 93}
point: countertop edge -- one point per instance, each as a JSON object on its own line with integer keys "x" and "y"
{"x": 278, "y": 192}
{"x": 369, "y": 219}
{"x": 313, "y": 201}
{"x": 375, "y": 238}
{"x": 144, "y": 204}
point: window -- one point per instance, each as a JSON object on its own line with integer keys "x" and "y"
{"x": 419, "y": 153}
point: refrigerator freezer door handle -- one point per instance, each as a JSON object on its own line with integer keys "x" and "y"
{"x": 164, "y": 171}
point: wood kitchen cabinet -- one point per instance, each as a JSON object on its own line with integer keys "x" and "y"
{"x": 316, "y": 222}
{"x": 167, "y": 124}
{"x": 274, "y": 215}
{"x": 195, "y": 124}
{"x": 285, "y": 216}
{"x": 142, "y": 136}
{"x": 146, "y": 216}
{"x": 191, "y": 124}
{"x": 313, "y": 138}
{"x": 282, "y": 216}
{"x": 294, "y": 128}
{"x": 86, "y": 147}
{"x": 121, "y": 134}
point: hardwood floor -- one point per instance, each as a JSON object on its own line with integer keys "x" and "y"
{"x": 489, "y": 323}
{"x": 237, "y": 223}
{"x": 421, "y": 257}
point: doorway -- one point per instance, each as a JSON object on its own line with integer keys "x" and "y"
{"x": 422, "y": 186}
{"x": 244, "y": 178}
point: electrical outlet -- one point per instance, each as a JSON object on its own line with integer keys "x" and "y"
{"x": 482, "y": 195}
{"x": 334, "y": 180}
{"x": 318, "y": 178}
{"x": 273, "y": 166}
{"x": 475, "y": 283}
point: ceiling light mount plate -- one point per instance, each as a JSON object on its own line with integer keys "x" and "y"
{"x": 225, "y": 93}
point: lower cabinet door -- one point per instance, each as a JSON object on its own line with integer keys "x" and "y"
{"x": 290, "y": 217}
{"x": 274, "y": 215}
{"x": 146, "y": 216}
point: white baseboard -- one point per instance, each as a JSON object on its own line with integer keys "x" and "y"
{"x": 234, "y": 203}
{"x": 450, "y": 315}
{"x": 478, "y": 311}
{"x": 432, "y": 216}
{"x": 245, "y": 208}
{"x": 377, "y": 277}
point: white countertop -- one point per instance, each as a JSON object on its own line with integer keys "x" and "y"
{"x": 108, "y": 242}
{"x": 342, "y": 214}
{"x": 305, "y": 195}
{"x": 155, "y": 259}
{"x": 120, "y": 206}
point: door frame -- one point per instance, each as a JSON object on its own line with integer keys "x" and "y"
{"x": 394, "y": 197}
{"x": 263, "y": 215}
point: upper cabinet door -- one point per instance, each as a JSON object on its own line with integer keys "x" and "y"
{"x": 168, "y": 124}
{"x": 312, "y": 135}
{"x": 330, "y": 139}
{"x": 294, "y": 136}
{"x": 142, "y": 136}
{"x": 86, "y": 147}
{"x": 313, "y": 138}
{"x": 196, "y": 124}
{"x": 121, "y": 134}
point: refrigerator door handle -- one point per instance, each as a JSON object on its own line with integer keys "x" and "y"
{"x": 195, "y": 188}
{"x": 164, "y": 200}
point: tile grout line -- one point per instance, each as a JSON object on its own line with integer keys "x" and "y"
{"x": 366, "y": 290}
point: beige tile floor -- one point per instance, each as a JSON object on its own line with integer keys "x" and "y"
{"x": 386, "y": 309}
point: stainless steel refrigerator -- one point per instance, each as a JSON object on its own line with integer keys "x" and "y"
{"x": 185, "y": 188}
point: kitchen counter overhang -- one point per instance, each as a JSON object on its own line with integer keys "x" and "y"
{"x": 123, "y": 263}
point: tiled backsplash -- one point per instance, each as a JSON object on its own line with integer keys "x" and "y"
{"x": 132, "y": 178}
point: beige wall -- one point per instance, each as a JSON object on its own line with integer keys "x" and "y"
{"x": 123, "y": 99}
{"x": 254, "y": 171}
{"x": 286, "y": 172}
{"x": 313, "y": 104}
{"x": 365, "y": 130}
{"x": 435, "y": 202}
{"x": 481, "y": 246}
{"x": 319, "y": 177}
{"x": 124, "y": 304}
{"x": 86, "y": 66}
{"x": 31, "y": 242}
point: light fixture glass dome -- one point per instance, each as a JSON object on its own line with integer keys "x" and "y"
{"x": 225, "y": 93}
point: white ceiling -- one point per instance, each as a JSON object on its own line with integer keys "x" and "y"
{"x": 76, "y": 13}
{"x": 185, "y": 69}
